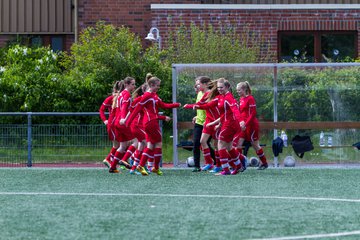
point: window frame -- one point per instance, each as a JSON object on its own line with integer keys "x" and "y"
{"x": 317, "y": 41}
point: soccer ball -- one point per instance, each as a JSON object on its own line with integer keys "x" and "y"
{"x": 190, "y": 162}
{"x": 254, "y": 162}
{"x": 289, "y": 161}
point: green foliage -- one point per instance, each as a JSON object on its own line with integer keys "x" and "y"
{"x": 205, "y": 44}
{"x": 324, "y": 94}
{"x": 28, "y": 77}
{"x": 103, "y": 55}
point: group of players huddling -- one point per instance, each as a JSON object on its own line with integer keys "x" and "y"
{"x": 133, "y": 125}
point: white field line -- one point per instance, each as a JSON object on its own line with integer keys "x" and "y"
{"x": 329, "y": 235}
{"x": 183, "y": 195}
{"x": 325, "y": 235}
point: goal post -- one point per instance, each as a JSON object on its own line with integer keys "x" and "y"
{"x": 294, "y": 97}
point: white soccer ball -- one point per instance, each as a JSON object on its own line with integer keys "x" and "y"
{"x": 190, "y": 161}
{"x": 254, "y": 162}
{"x": 289, "y": 161}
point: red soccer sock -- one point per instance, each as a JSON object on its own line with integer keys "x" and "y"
{"x": 128, "y": 153}
{"x": 113, "y": 151}
{"x": 262, "y": 156}
{"x": 217, "y": 159}
{"x": 118, "y": 156}
{"x": 111, "y": 154}
{"x": 148, "y": 153}
{"x": 157, "y": 157}
{"x": 137, "y": 156}
{"x": 207, "y": 156}
{"x": 224, "y": 159}
{"x": 235, "y": 162}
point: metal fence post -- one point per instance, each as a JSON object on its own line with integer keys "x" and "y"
{"x": 29, "y": 139}
{"x": 161, "y": 131}
{"x": 276, "y": 161}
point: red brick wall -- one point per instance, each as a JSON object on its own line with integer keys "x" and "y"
{"x": 138, "y": 16}
{"x": 134, "y": 14}
{"x": 264, "y": 22}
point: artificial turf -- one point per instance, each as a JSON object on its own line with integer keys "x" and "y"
{"x": 279, "y": 203}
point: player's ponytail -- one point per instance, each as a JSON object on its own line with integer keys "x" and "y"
{"x": 245, "y": 86}
{"x": 116, "y": 87}
{"x": 248, "y": 87}
{"x": 139, "y": 91}
{"x": 148, "y": 76}
{"x": 213, "y": 90}
{"x": 121, "y": 86}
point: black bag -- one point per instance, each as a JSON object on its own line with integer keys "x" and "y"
{"x": 277, "y": 146}
{"x": 357, "y": 145}
{"x": 301, "y": 144}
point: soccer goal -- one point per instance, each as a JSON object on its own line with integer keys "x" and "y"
{"x": 314, "y": 99}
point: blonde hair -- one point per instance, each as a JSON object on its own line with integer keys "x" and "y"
{"x": 148, "y": 76}
{"x": 244, "y": 85}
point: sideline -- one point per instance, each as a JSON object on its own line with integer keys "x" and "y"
{"x": 182, "y": 195}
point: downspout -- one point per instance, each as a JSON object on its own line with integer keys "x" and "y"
{"x": 76, "y": 20}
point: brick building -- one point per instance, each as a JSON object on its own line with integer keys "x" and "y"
{"x": 313, "y": 30}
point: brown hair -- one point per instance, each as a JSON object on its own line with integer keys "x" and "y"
{"x": 121, "y": 87}
{"x": 116, "y": 87}
{"x": 140, "y": 91}
{"x": 152, "y": 81}
{"x": 213, "y": 90}
{"x": 203, "y": 79}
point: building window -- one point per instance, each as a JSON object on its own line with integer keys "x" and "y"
{"x": 317, "y": 46}
{"x": 55, "y": 42}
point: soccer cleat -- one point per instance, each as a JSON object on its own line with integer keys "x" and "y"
{"x": 157, "y": 171}
{"x": 216, "y": 170}
{"x": 134, "y": 172}
{"x": 125, "y": 164}
{"x": 207, "y": 167}
{"x": 242, "y": 169}
{"x": 196, "y": 169}
{"x": 107, "y": 163}
{"x": 263, "y": 166}
{"x": 223, "y": 173}
{"x": 244, "y": 164}
{"x": 142, "y": 170}
{"x": 113, "y": 170}
{"x": 236, "y": 170}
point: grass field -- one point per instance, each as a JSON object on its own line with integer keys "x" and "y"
{"x": 69, "y": 203}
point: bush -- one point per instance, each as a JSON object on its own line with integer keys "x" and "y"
{"x": 28, "y": 78}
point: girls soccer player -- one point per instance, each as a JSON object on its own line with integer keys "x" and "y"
{"x": 137, "y": 127}
{"x": 107, "y": 106}
{"x": 249, "y": 123}
{"x": 149, "y": 104}
{"x": 123, "y": 135}
{"x": 228, "y": 124}
{"x": 208, "y": 132}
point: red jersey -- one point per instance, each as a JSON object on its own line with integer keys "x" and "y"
{"x": 213, "y": 112}
{"x": 138, "y": 121}
{"x": 123, "y": 104}
{"x": 149, "y": 104}
{"x": 106, "y": 106}
{"x": 248, "y": 110}
{"x": 229, "y": 108}
{"x": 211, "y": 108}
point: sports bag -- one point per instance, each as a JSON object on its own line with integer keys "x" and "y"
{"x": 301, "y": 144}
